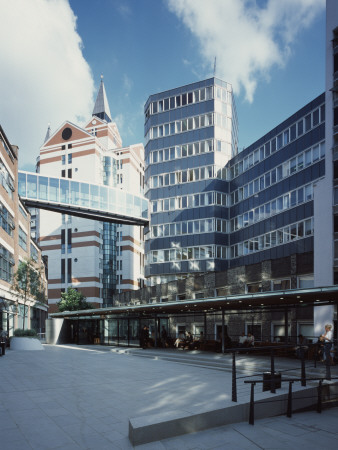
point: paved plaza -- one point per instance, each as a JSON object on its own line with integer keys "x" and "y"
{"x": 82, "y": 397}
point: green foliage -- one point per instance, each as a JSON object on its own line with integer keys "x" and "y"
{"x": 28, "y": 284}
{"x": 73, "y": 300}
{"x": 28, "y": 333}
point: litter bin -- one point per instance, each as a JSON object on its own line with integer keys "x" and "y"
{"x": 2, "y": 348}
{"x": 267, "y": 381}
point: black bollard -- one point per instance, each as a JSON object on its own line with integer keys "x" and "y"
{"x": 273, "y": 383}
{"x": 234, "y": 385}
{"x": 252, "y": 405}
{"x": 319, "y": 402}
{"x": 303, "y": 368}
{"x": 328, "y": 368}
{"x": 289, "y": 408}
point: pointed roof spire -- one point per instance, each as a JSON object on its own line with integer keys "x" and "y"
{"x": 101, "y": 108}
{"x": 48, "y": 134}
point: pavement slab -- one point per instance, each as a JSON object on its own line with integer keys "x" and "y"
{"x": 82, "y": 397}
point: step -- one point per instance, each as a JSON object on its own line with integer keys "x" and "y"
{"x": 146, "y": 429}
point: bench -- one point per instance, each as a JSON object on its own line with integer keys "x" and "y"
{"x": 210, "y": 344}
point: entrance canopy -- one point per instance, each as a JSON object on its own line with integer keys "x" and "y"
{"x": 257, "y": 301}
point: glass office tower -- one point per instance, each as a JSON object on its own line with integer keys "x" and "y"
{"x": 272, "y": 186}
{"x": 191, "y": 133}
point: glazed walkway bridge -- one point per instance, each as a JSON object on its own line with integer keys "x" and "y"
{"x": 90, "y": 201}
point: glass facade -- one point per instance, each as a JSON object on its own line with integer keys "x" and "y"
{"x": 191, "y": 134}
{"x": 109, "y": 238}
{"x": 89, "y": 196}
{"x": 213, "y": 208}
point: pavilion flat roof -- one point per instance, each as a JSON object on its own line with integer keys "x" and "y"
{"x": 257, "y": 300}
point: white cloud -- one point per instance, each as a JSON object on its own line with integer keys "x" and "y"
{"x": 246, "y": 37}
{"x": 127, "y": 84}
{"x": 120, "y": 121}
{"x": 124, "y": 10}
{"x": 44, "y": 76}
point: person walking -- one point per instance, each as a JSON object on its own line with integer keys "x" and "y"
{"x": 327, "y": 339}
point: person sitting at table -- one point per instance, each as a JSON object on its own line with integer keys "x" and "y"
{"x": 242, "y": 340}
{"x": 250, "y": 341}
{"x": 197, "y": 342}
{"x": 179, "y": 341}
{"x": 188, "y": 340}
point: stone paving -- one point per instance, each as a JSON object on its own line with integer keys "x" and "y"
{"x": 76, "y": 397}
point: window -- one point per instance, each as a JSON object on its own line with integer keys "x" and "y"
{"x": 281, "y": 285}
{"x": 63, "y": 271}
{"x": 6, "y": 220}
{"x": 34, "y": 252}
{"x": 69, "y": 239}
{"x": 198, "y": 329}
{"x": 6, "y": 264}
{"x": 305, "y": 282}
{"x": 307, "y": 330}
{"x": 308, "y": 122}
{"x": 70, "y": 158}
{"x": 69, "y": 270}
{"x": 255, "y": 330}
{"x": 22, "y": 239}
{"x": 254, "y": 287}
{"x": 180, "y": 330}
{"x": 278, "y": 332}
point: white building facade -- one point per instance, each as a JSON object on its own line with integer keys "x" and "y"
{"x": 96, "y": 258}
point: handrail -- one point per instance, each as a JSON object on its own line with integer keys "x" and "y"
{"x": 262, "y": 347}
{"x": 272, "y": 350}
{"x": 289, "y": 404}
{"x": 290, "y": 379}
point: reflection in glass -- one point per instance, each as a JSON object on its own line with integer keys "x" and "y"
{"x": 53, "y": 189}
{"x": 104, "y": 197}
{"x": 22, "y": 184}
{"x": 43, "y": 188}
{"x": 31, "y": 186}
{"x": 94, "y": 196}
{"x": 69, "y": 192}
{"x": 64, "y": 191}
{"x": 75, "y": 193}
{"x": 84, "y": 196}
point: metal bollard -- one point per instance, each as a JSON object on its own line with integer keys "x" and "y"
{"x": 273, "y": 383}
{"x": 328, "y": 369}
{"x": 234, "y": 382}
{"x": 252, "y": 405}
{"x": 303, "y": 369}
{"x": 289, "y": 408}
{"x": 319, "y": 402}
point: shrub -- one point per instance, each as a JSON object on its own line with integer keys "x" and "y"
{"x": 27, "y": 333}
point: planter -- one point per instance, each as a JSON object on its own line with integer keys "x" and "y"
{"x": 25, "y": 343}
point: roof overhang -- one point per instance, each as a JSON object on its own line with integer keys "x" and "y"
{"x": 257, "y": 301}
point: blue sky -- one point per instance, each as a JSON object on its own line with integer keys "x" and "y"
{"x": 272, "y": 52}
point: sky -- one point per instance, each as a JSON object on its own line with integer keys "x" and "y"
{"x": 53, "y": 53}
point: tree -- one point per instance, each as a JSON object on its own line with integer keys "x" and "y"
{"x": 73, "y": 300}
{"x": 28, "y": 284}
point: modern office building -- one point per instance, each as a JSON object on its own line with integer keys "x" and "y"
{"x": 237, "y": 241}
{"x": 16, "y": 244}
{"x": 96, "y": 258}
{"x": 191, "y": 135}
{"x": 214, "y": 208}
